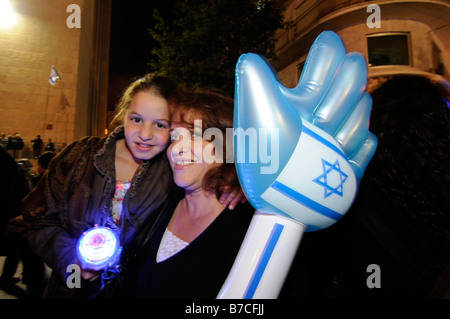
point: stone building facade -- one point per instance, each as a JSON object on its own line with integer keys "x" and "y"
{"x": 411, "y": 37}
{"x": 72, "y": 36}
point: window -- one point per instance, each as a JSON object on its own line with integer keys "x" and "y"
{"x": 388, "y": 49}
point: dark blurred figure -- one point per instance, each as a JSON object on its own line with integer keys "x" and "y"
{"x": 400, "y": 220}
{"x": 38, "y": 143}
{"x": 25, "y": 169}
{"x": 16, "y": 183}
{"x": 10, "y": 145}
{"x": 43, "y": 161}
{"x": 50, "y": 146}
{"x": 13, "y": 188}
{"x": 16, "y": 145}
{"x": 3, "y": 140}
{"x": 33, "y": 267}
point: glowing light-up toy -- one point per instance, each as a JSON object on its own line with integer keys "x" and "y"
{"x": 318, "y": 134}
{"x": 98, "y": 248}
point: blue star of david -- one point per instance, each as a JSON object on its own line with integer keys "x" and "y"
{"x": 323, "y": 178}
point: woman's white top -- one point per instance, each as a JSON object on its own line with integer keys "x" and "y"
{"x": 169, "y": 246}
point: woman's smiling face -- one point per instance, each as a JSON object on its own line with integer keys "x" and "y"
{"x": 186, "y": 153}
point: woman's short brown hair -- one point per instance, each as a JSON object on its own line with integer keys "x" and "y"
{"x": 216, "y": 111}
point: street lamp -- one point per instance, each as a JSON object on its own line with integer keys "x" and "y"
{"x": 8, "y": 17}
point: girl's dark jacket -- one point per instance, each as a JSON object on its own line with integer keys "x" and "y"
{"x": 76, "y": 193}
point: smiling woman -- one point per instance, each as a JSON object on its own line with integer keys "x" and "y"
{"x": 192, "y": 246}
{"x": 206, "y": 116}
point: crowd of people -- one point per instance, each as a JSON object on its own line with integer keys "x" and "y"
{"x": 14, "y": 145}
{"x": 181, "y": 219}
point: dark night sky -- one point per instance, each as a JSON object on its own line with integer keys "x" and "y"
{"x": 130, "y": 43}
{"x": 130, "y": 40}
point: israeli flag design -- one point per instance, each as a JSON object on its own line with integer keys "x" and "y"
{"x": 317, "y": 185}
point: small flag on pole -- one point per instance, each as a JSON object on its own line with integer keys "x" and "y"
{"x": 54, "y": 76}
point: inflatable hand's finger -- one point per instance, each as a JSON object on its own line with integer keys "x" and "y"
{"x": 344, "y": 94}
{"x": 354, "y": 130}
{"x": 362, "y": 157}
{"x": 354, "y": 137}
{"x": 323, "y": 61}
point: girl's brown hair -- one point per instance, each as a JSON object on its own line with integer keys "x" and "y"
{"x": 161, "y": 85}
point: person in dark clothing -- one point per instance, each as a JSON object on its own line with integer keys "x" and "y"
{"x": 15, "y": 144}
{"x": 16, "y": 184}
{"x": 50, "y": 146}
{"x": 394, "y": 243}
{"x": 43, "y": 162}
{"x": 37, "y": 146}
{"x": 192, "y": 247}
{"x": 13, "y": 188}
{"x": 3, "y": 141}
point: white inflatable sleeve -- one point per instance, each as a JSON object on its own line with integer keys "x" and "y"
{"x": 264, "y": 259}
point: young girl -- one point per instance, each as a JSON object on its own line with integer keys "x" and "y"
{"x": 119, "y": 181}
{"x": 190, "y": 251}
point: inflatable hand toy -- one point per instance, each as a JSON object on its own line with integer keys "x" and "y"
{"x": 300, "y": 154}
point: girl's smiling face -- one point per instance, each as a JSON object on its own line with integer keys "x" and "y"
{"x": 147, "y": 125}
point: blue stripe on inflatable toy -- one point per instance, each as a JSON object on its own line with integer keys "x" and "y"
{"x": 322, "y": 140}
{"x": 302, "y": 199}
{"x": 263, "y": 261}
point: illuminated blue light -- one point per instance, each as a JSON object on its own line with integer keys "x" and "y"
{"x": 98, "y": 247}
{"x": 446, "y": 102}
